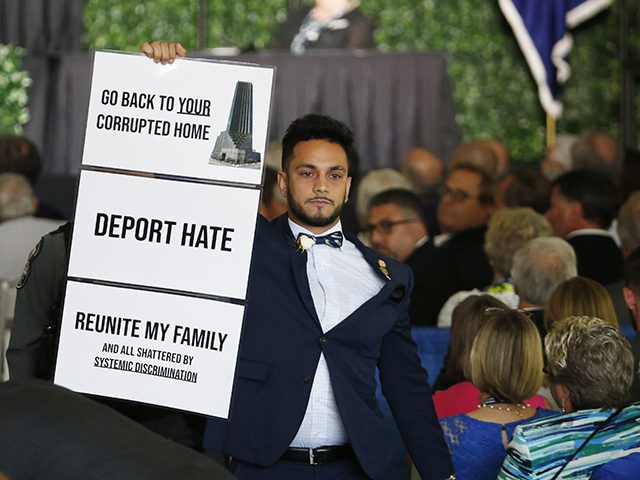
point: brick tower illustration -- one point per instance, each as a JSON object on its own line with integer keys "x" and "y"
{"x": 234, "y": 146}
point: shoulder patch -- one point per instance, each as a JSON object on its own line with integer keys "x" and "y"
{"x": 27, "y": 268}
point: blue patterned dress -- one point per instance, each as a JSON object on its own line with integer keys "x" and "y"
{"x": 540, "y": 448}
{"x": 476, "y": 446}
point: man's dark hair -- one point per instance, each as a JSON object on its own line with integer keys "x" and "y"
{"x": 402, "y": 198}
{"x": 318, "y": 127}
{"x": 593, "y": 190}
{"x": 632, "y": 271}
{"x": 528, "y": 188}
{"x": 19, "y": 155}
{"x": 487, "y": 185}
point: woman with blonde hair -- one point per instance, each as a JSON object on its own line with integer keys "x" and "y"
{"x": 579, "y": 296}
{"x": 506, "y": 366}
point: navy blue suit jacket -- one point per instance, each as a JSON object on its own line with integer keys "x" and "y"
{"x": 279, "y": 352}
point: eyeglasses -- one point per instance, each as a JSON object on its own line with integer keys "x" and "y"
{"x": 458, "y": 195}
{"x": 385, "y": 226}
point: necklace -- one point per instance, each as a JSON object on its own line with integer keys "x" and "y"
{"x": 492, "y": 403}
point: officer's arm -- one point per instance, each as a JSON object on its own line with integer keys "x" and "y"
{"x": 38, "y": 300}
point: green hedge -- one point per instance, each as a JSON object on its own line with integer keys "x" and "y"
{"x": 494, "y": 93}
{"x": 13, "y": 90}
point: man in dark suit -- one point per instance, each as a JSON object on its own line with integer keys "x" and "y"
{"x": 396, "y": 228}
{"x": 583, "y": 204}
{"x": 631, "y": 292}
{"x": 323, "y": 311}
{"x": 458, "y": 261}
{"x": 51, "y": 433}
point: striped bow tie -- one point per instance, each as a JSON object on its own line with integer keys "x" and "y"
{"x": 333, "y": 240}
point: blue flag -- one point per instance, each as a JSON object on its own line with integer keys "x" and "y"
{"x": 541, "y": 29}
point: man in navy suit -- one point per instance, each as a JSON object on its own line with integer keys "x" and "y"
{"x": 323, "y": 311}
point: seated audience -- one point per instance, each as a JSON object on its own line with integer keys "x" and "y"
{"x": 395, "y": 228}
{"x": 506, "y": 365}
{"x": 458, "y": 261}
{"x": 507, "y": 230}
{"x": 538, "y": 268}
{"x": 597, "y": 151}
{"x": 425, "y": 171}
{"x": 502, "y": 156}
{"x": 272, "y": 202}
{"x": 524, "y": 187}
{"x": 49, "y": 432}
{"x": 590, "y": 368}
{"x": 628, "y": 229}
{"x": 375, "y": 181}
{"x": 583, "y": 204}
{"x": 576, "y": 297}
{"x": 631, "y": 293}
{"x": 453, "y": 391}
{"x": 20, "y": 155}
{"x": 326, "y": 24}
{"x": 465, "y": 322}
{"x": 478, "y": 153}
{"x": 557, "y": 158}
{"x": 20, "y": 230}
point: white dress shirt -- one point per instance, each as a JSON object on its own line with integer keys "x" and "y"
{"x": 340, "y": 281}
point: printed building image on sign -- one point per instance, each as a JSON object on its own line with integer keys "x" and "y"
{"x": 171, "y": 119}
{"x": 163, "y": 231}
{"x": 234, "y": 146}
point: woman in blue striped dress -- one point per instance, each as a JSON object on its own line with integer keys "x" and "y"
{"x": 590, "y": 368}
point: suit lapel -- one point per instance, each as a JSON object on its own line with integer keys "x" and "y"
{"x": 298, "y": 267}
{"x": 377, "y": 263}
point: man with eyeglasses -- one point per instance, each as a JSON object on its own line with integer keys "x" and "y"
{"x": 395, "y": 228}
{"x": 458, "y": 261}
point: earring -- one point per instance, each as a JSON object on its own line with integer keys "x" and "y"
{"x": 562, "y": 402}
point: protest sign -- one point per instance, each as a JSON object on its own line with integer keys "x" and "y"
{"x": 163, "y": 230}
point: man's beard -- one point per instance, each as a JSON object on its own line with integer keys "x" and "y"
{"x": 318, "y": 220}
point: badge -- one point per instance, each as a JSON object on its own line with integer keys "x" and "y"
{"x": 27, "y": 268}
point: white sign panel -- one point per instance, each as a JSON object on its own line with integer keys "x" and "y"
{"x": 150, "y": 347}
{"x": 163, "y": 230}
{"x": 160, "y": 233}
{"x": 169, "y": 118}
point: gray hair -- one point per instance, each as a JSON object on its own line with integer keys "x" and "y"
{"x": 540, "y": 266}
{"x": 16, "y": 196}
{"x": 593, "y": 359}
{"x": 629, "y": 222}
{"x": 373, "y": 182}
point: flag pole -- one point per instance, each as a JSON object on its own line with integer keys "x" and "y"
{"x": 551, "y": 131}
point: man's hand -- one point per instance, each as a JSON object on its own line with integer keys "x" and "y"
{"x": 163, "y": 52}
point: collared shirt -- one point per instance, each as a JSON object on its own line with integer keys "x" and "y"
{"x": 588, "y": 231}
{"x": 340, "y": 280}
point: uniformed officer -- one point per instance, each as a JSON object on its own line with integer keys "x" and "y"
{"x": 34, "y": 337}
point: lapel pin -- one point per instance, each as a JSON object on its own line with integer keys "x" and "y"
{"x": 383, "y": 268}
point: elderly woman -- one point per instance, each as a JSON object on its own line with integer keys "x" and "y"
{"x": 506, "y": 366}
{"x": 326, "y": 24}
{"x": 590, "y": 368}
{"x": 507, "y": 230}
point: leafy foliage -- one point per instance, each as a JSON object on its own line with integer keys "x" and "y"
{"x": 13, "y": 90}
{"x": 494, "y": 93}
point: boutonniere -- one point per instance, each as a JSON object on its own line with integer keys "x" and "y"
{"x": 305, "y": 243}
